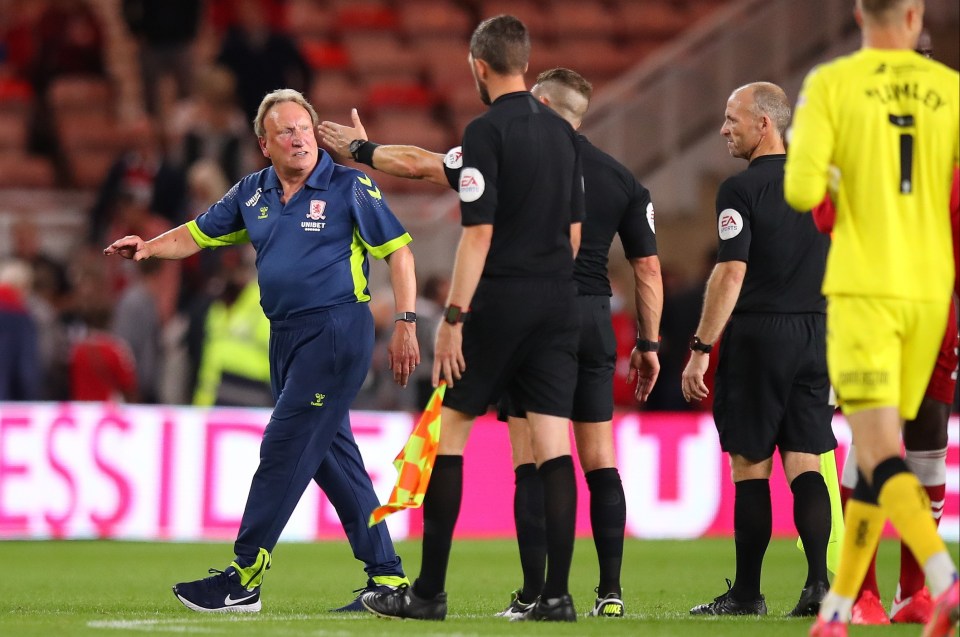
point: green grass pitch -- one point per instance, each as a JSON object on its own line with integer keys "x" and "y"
{"x": 62, "y": 589}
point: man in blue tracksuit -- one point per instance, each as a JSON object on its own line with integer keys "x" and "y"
{"x": 312, "y": 223}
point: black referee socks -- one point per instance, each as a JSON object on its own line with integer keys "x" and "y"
{"x": 752, "y": 528}
{"x": 528, "y": 514}
{"x": 560, "y": 515}
{"x": 811, "y": 516}
{"x": 441, "y": 506}
{"x": 608, "y": 518}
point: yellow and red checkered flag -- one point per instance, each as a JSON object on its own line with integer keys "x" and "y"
{"x": 415, "y": 461}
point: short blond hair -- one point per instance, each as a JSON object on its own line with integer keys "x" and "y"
{"x": 279, "y": 96}
{"x": 885, "y": 11}
{"x": 563, "y": 86}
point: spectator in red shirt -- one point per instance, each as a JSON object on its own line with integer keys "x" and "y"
{"x": 101, "y": 364}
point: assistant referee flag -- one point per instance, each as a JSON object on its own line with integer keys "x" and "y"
{"x": 415, "y": 461}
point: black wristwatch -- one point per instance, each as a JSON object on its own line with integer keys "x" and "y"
{"x": 406, "y": 317}
{"x": 354, "y": 147}
{"x": 697, "y": 345}
{"x": 454, "y": 314}
{"x": 643, "y": 345}
{"x": 362, "y": 151}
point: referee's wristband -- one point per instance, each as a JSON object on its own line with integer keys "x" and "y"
{"x": 696, "y": 345}
{"x": 406, "y": 317}
{"x": 643, "y": 345}
{"x": 364, "y": 152}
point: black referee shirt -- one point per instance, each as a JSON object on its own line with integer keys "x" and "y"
{"x": 616, "y": 203}
{"x": 785, "y": 254}
{"x": 521, "y": 172}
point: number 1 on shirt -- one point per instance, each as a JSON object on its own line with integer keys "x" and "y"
{"x": 906, "y": 152}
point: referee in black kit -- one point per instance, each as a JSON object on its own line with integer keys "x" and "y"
{"x": 510, "y": 325}
{"x": 616, "y": 203}
{"x": 772, "y": 389}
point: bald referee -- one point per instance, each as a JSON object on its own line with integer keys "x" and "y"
{"x": 772, "y": 390}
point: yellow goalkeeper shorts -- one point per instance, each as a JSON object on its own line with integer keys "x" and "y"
{"x": 881, "y": 351}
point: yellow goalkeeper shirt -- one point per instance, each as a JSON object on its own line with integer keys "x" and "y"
{"x": 888, "y": 120}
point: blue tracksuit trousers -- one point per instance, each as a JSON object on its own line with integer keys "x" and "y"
{"x": 317, "y": 364}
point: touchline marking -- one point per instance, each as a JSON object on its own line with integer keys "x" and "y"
{"x": 152, "y": 625}
{"x": 220, "y": 625}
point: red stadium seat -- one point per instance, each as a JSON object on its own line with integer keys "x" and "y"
{"x": 655, "y": 19}
{"x": 333, "y": 94}
{"x": 365, "y": 15}
{"x": 581, "y": 19}
{"x": 597, "y": 58}
{"x": 323, "y": 54}
{"x": 398, "y": 95}
{"x": 463, "y": 100}
{"x": 417, "y": 128}
{"x": 420, "y": 18}
{"x": 89, "y": 168}
{"x": 78, "y": 93}
{"x": 80, "y": 132}
{"x": 381, "y": 53}
{"x": 15, "y": 94}
{"x": 445, "y": 60}
{"x": 308, "y": 19}
{"x": 545, "y": 56}
{"x": 18, "y": 170}
{"x": 14, "y": 127}
{"x": 533, "y": 14}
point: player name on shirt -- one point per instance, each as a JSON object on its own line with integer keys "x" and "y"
{"x": 895, "y": 92}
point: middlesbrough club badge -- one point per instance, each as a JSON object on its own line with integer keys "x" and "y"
{"x": 316, "y": 209}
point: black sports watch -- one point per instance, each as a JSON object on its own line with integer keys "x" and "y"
{"x": 362, "y": 151}
{"x": 454, "y": 314}
{"x": 697, "y": 345}
{"x": 354, "y": 147}
{"x": 406, "y": 317}
{"x": 643, "y": 345}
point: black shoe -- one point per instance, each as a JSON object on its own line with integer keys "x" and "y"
{"x": 810, "y": 598}
{"x": 555, "y": 609}
{"x": 516, "y": 608}
{"x": 608, "y": 606}
{"x": 726, "y": 605}
{"x": 375, "y": 584}
{"x": 402, "y": 603}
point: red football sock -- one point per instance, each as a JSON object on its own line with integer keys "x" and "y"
{"x": 911, "y": 573}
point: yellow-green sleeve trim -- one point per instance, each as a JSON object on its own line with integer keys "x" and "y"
{"x": 357, "y": 253}
{"x": 387, "y": 248}
{"x": 241, "y": 236}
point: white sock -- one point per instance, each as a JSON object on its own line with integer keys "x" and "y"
{"x": 848, "y": 477}
{"x": 835, "y": 606}
{"x": 940, "y": 572}
{"x": 930, "y": 467}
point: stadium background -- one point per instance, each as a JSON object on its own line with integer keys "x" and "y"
{"x": 74, "y": 107}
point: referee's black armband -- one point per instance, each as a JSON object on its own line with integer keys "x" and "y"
{"x": 644, "y": 345}
{"x": 364, "y": 153}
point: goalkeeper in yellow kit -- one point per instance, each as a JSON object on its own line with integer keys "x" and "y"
{"x": 888, "y": 120}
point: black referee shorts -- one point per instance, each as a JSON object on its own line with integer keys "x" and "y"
{"x": 772, "y": 388}
{"x": 597, "y": 360}
{"x": 597, "y": 353}
{"x": 521, "y": 340}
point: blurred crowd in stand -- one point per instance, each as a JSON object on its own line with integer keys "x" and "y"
{"x": 83, "y": 327}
